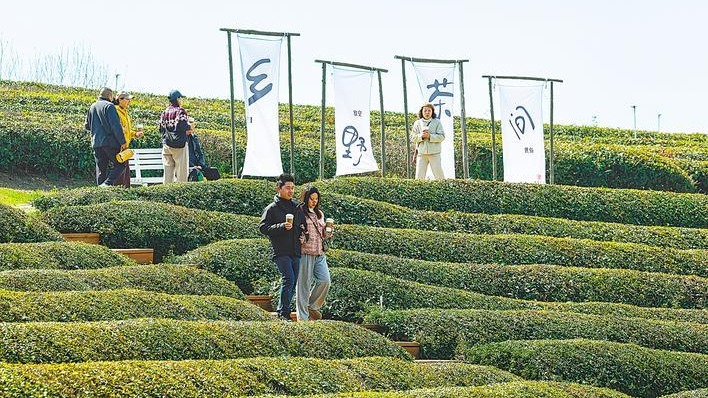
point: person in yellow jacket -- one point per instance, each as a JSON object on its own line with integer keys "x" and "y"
{"x": 123, "y": 102}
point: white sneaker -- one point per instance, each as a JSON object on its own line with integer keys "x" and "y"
{"x": 104, "y": 185}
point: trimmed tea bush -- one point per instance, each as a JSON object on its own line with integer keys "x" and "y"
{"x": 439, "y": 331}
{"x": 628, "y": 368}
{"x": 121, "y": 304}
{"x": 247, "y": 261}
{"x": 519, "y": 249}
{"x": 538, "y": 282}
{"x": 59, "y": 255}
{"x": 518, "y": 389}
{"x": 249, "y": 197}
{"x": 353, "y": 292}
{"x": 624, "y": 206}
{"x": 19, "y": 227}
{"x": 163, "y": 227}
{"x": 165, "y": 278}
{"x": 238, "y": 377}
{"x": 167, "y": 339}
{"x": 700, "y": 393}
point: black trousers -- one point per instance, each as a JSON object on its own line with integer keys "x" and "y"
{"x": 105, "y": 157}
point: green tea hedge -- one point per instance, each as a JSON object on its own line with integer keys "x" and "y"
{"x": 519, "y": 249}
{"x": 699, "y": 393}
{"x": 121, "y": 304}
{"x": 354, "y": 292}
{"x": 19, "y": 227}
{"x": 59, "y": 255}
{"x": 537, "y": 282}
{"x": 624, "y": 206}
{"x": 628, "y": 368}
{"x": 439, "y": 331}
{"x": 247, "y": 263}
{"x": 168, "y": 339}
{"x": 249, "y": 197}
{"x": 238, "y": 377}
{"x": 519, "y": 389}
{"x": 163, "y": 227}
{"x": 165, "y": 278}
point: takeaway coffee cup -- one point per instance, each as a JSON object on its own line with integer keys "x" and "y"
{"x": 329, "y": 224}
{"x": 289, "y": 218}
{"x": 139, "y": 127}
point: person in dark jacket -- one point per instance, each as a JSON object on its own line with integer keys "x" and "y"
{"x": 197, "y": 163}
{"x": 284, "y": 225}
{"x": 107, "y": 139}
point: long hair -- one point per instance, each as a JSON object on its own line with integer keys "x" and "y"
{"x": 305, "y": 197}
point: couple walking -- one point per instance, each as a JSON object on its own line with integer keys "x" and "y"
{"x": 297, "y": 232}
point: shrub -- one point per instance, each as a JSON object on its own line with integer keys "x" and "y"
{"x": 247, "y": 261}
{"x": 121, "y": 304}
{"x": 519, "y": 389}
{"x": 237, "y": 377}
{"x": 624, "y": 206}
{"x": 354, "y": 292}
{"x": 59, "y": 255}
{"x": 519, "y": 249}
{"x": 439, "y": 331}
{"x": 700, "y": 393}
{"x": 19, "y": 227}
{"x": 631, "y": 369}
{"x": 165, "y": 278}
{"x": 167, "y": 339}
{"x": 538, "y": 282}
{"x": 251, "y": 196}
{"x": 163, "y": 227}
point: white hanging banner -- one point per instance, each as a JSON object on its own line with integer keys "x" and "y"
{"x": 522, "y": 133}
{"x": 352, "y": 121}
{"x": 437, "y": 85}
{"x": 260, "y": 67}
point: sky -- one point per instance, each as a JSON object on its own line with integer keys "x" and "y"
{"x": 610, "y": 54}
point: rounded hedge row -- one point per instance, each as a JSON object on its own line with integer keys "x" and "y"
{"x": 518, "y": 389}
{"x": 165, "y": 278}
{"x": 628, "y": 368}
{"x": 251, "y": 196}
{"x": 699, "y": 393}
{"x": 247, "y": 263}
{"x": 519, "y": 249}
{"x": 59, "y": 255}
{"x": 349, "y": 209}
{"x": 538, "y": 282}
{"x": 19, "y": 227}
{"x": 624, "y": 206}
{"x": 168, "y": 339}
{"x": 440, "y": 331}
{"x": 237, "y": 377}
{"x": 103, "y": 305}
{"x": 355, "y": 292}
{"x": 165, "y": 228}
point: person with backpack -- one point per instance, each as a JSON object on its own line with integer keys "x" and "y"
{"x": 174, "y": 126}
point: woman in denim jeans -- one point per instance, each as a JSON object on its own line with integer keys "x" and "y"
{"x": 313, "y": 262}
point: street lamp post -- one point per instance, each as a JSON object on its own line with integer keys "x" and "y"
{"x": 658, "y": 123}
{"x": 634, "y": 111}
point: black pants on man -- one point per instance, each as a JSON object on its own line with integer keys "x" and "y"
{"x": 104, "y": 157}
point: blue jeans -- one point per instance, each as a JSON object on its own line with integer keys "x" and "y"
{"x": 289, "y": 268}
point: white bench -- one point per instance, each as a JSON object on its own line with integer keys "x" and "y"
{"x": 146, "y": 159}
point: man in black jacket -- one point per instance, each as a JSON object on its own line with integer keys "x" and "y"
{"x": 283, "y": 223}
{"x": 107, "y": 138}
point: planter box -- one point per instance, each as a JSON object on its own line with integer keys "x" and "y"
{"x": 86, "y": 237}
{"x": 141, "y": 256}
{"x": 265, "y": 302}
{"x": 412, "y": 347}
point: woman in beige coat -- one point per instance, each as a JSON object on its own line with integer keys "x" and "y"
{"x": 427, "y": 134}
